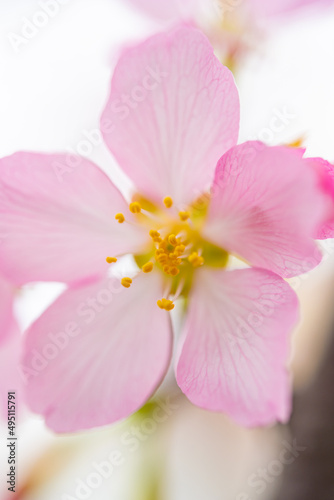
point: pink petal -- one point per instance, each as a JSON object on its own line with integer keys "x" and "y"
{"x": 6, "y": 308}
{"x": 265, "y": 8}
{"x": 59, "y": 228}
{"x": 236, "y": 345}
{"x": 266, "y": 206}
{"x": 182, "y": 115}
{"x": 325, "y": 172}
{"x": 97, "y": 354}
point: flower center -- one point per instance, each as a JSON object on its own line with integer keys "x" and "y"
{"x": 175, "y": 245}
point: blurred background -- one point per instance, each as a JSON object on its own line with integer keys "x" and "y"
{"x": 53, "y": 87}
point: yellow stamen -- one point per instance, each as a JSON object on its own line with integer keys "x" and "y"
{"x": 184, "y": 216}
{"x": 168, "y": 202}
{"x": 135, "y": 207}
{"x": 165, "y": 304}
{"x": 180, "y": 249}
{"x": 126, "y": 282}
{"x": 154, "y": 234}
{"x": 162, "y": 259}
{"x": 297, "y": 143}
{"x": 172, "y": 240}
{"x": 195, "y": 259}
{"x": 147, "y": 268}
{"x": 173, "y": 247}
{"x": 174, "y": 271}
{"x": 120, "y": 218}
{"x": 168, "y": 254}
{"x": 111, "y": 260}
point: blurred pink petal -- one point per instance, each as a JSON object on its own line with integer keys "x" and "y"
{"x": 97, "y": 354}
{"x": 178, "y": 10}
{"x": 183, "y": 113}
{"x": 58, "y": 229}
{"x": 325, "y": 171}
{"x": 269, "y": 8}
{"x": 6, "y": 308}
{"x": 261, "y": 209}
{"x": 238, "y": 365}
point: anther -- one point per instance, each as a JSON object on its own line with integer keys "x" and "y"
{"x": 162, "y": 259}
{"x": 168, "y": 202}
{"x": 148, "y": 267}
{"x": 111, "y": 260}
{"x": 165, "y": 304}
{"x": 120, "y": 218}
{"x": 174, "y": 271}
{"x": 154, "y": 234}
{"x": 195, "y": 259}
{"x": 135, "y": 207}
{"x": 184, "y": 216}
{"x": 126, "y": 282}
{"x": 172, "y": 240}
{"x": 180, "y": 249}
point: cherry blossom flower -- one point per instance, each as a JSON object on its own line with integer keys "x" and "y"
{"x": 101, "y": 350}
{"x": 234, "y": 27}
{"x": 176, "y": 10}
